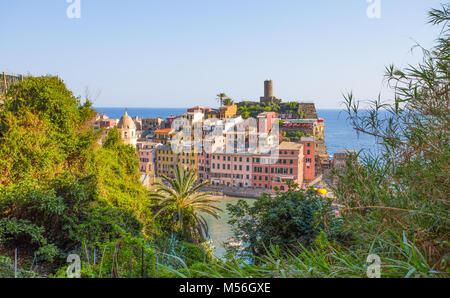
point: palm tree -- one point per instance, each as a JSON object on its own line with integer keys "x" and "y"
{"x": 244, "y": 112}
{"x": 228, "y": 101}
{"x": 221, "y": 98}
{"x": 181, "y": 196}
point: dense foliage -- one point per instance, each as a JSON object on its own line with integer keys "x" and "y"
{"x": 404, "y": 188}
{"x": 58, "y": 187}
{"x": 286, "y": 220}
{"x": 179, "y": 204}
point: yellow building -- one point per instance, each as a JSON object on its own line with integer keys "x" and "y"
{"x": 227, "y": 111}
{"x": 166, "y": 160}
{"x": 188, "y": 160}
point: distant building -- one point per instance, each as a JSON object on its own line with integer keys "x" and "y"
{"x": 232, "y": 170}
{"x": 201, "y": 109}
{"x": 150, "y": 125}
{"x": 147, "y": 159}
{"x": 340, "y": 157}
{"x": 309, "y": 167}
{"x": 169, "y": 121}
{"x": 275, "y": 175}
{"x": 104, "y": 121}
{"x": 265, "y": 121}
{"x": 127, "y": 130}
{"x": 227, "y": 111}
{"x": 268, "y": 93}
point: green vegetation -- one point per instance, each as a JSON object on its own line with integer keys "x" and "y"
{"x": 287, "y": 220}
{"x": 224, "y": 100}
{"x": 394, "y": 204}
{"x": 61, "y": 193}
{"x": 405, "y": 188}
{"x": 179, "y": 205}
{"x": 59, "y": 189}
{"x": 292, "y": 136}
{"x": 249, "y": 109}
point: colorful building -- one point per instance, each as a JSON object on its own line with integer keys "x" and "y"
{"x": 227, "y": 111}
{"x": 233, "y": 170}
{"x": 201, "y": 109}
{"x": 309, "y": 167}
{"x": 104, "y": 121}
{"x": 127, "y": 130}
{"x": 273, "y": 174}
{"x": 147, "y": 159}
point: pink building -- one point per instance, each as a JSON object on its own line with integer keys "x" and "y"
{"x": 204, "y": 166}
{"x": 201, "y": 109}
{"x": 104, "y": 121}
{"x": 309, "y": 171}
{"x": 265, "y": 121}
{"x": 231, "y": 170}
{"x": 289, "y": 166}
{"x": 147, "y": 156}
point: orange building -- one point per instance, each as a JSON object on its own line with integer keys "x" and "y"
{"x": 227, "y": 111}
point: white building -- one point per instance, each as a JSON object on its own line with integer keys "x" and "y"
{"x": 127, "y": 130}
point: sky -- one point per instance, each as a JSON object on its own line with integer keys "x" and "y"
{"x": 181, "y": 53}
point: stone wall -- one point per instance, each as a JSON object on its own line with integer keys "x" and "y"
{"x": 5, "y": 81}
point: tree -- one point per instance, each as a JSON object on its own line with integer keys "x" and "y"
{"x": 286, "y": 220}
{"x": 228, "y": 101}
{"x": 404, "y": 188}
{"x": 182, "y": 203}
{"x": 221, "y": 98}
{"x": 58, "y": 187}
{"x": 244, "y": 112}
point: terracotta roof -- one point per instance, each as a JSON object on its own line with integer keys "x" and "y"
{"x": 164, "y": 130}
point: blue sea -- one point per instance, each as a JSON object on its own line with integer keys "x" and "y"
{"x": 339, "y": 135}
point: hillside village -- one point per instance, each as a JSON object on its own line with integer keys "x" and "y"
{"x": 303, "y": 157}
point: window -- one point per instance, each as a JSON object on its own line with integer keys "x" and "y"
{"x": 309, "y": 152}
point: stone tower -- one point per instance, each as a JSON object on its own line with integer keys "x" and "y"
{"x": 127, "y": 130}
{"x": 268, "y": 89}
{"x": 268, "y": 92}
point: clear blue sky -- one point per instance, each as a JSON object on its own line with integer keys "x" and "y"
{"x": 179, "y": 53}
